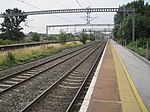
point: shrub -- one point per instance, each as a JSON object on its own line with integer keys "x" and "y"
{"x": 10, "y": 56}
{"x": 36, "y": 37}
{"x": 62, "y": 38}
{"x": 91, "y": 37}
{"x": 83, "y": 38}
{"x": 7, "y": 42}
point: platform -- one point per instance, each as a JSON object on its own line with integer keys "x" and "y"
{"x": 120, "y": 84}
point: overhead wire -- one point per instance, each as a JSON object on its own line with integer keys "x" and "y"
{"x": 90, "y": 3}
{"x": 96, "y": 12}
{"x": 59, "y": 3}
{"x": 41, "y": 9}
{"x": 79, "y": 3}
{"x": 29, "y": 4}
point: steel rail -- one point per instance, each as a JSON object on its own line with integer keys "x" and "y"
{"x": 5, "y": 78}
{"x": 42, "y": 95}
{"x": 85, "y": 81}
{"x": 45, "y": 62}
{"x": 18, "y": 46}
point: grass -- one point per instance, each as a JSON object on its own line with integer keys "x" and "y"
{"x": 141, "y": 51}
{"x": 7, "y": 42}
{"x": 19, "y": 56}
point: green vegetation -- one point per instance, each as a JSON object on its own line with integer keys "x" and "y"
{"x": 7, "y": 42}
{"x": 62, "y": 37}
{"x": 123, "y": 22}
{"x": 10, "y": 56}
{"x": 15, "y": 57}
{"x": 83, "y": 38}
{"x": 91, "y": 37}
{"x": 123, "y": 26}
{"x": 11, "y": 28}
{"x": 52, "y": 37}
{"x": 139, "y": 46}
{"x": 35, "y": 37}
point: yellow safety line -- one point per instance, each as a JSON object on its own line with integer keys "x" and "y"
{"x": 141, "y": 103}
{"x": 128, "y": 99}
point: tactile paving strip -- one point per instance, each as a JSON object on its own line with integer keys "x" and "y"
{"x": 128, "y": 98}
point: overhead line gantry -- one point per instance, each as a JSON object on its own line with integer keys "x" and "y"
{"x": 75, "y": 25}
{"x": 59, "y": 11}
{"x": 83, "y": 10}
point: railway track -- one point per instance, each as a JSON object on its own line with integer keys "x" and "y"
{"x": 79, "y": 97}
{"x": 13, "y": 80}
{"x": 61, "y": 96}
{"x": 18, "y": 46}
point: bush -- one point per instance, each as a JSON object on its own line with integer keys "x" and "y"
{"x": 52, "y": 37}
{"x": 91, "y": 37}
{"x": 62, "y": 38}
{"x": 83, "y": 38}
{"x": 10, "y": 56}
{"x": 36, "y": 37}
{"x": 7, "y": 42}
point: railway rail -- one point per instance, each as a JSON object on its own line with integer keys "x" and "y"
{"x": 18, "y": 96}
{"x": 62, "y": 94}
{"x": 13, "y": 80}
{"x": 79, "y": 97}
{"x": 23, "y": 45}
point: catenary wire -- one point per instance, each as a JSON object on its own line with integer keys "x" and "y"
{"x": 41, "y": 9}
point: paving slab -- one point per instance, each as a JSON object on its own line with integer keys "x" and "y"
{"x": 113, "y": 89}
{"x": 139, "y": 72}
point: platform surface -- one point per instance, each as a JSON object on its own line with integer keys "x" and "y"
{"x": 120, "y": 84}
{"x": 139, "y": 71}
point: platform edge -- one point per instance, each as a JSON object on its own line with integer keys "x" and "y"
{"x": 86, "y": 100}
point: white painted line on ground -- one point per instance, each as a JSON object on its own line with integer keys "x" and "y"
{"x": 87, "y": 98}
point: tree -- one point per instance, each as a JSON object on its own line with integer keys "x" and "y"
{"x": 11, "y": 28}
{"x": 52, "y": 37}
{"x": 91, "y": 37}
{"x": 83, "y": 38}
{"x": 35, "y": 37}
{"x": 62, "y": 37}
{"x": 123, "y": 24}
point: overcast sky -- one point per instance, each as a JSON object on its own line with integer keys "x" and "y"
{"x": 37, "y": 23}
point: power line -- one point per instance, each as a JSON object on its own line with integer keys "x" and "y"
{"x": 79, "y": 3}
{"x": 41, "y": 9}
{"x": 95, "y": 13}
{"x": 29, "y": 4}
{"x": 90, "y": 3}
{"x": 59, "y": 3}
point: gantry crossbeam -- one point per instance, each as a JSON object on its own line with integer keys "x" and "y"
{"x": 71, "y": 25}
{"x": 85, "y": 10}
{"x": 75, "y": 25}
{"x": 96, "y": 30}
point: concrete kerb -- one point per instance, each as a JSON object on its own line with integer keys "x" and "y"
{"x": 137, "y": 55}
{"x": 87, "y": 98}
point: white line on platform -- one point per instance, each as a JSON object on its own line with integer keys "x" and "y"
{"x": 87, "y": 98}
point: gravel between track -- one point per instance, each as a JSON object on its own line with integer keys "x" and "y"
{"x": 33, "y": 63}
{"x": 16, "y": 99}
{"x": 59, "y": 99}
